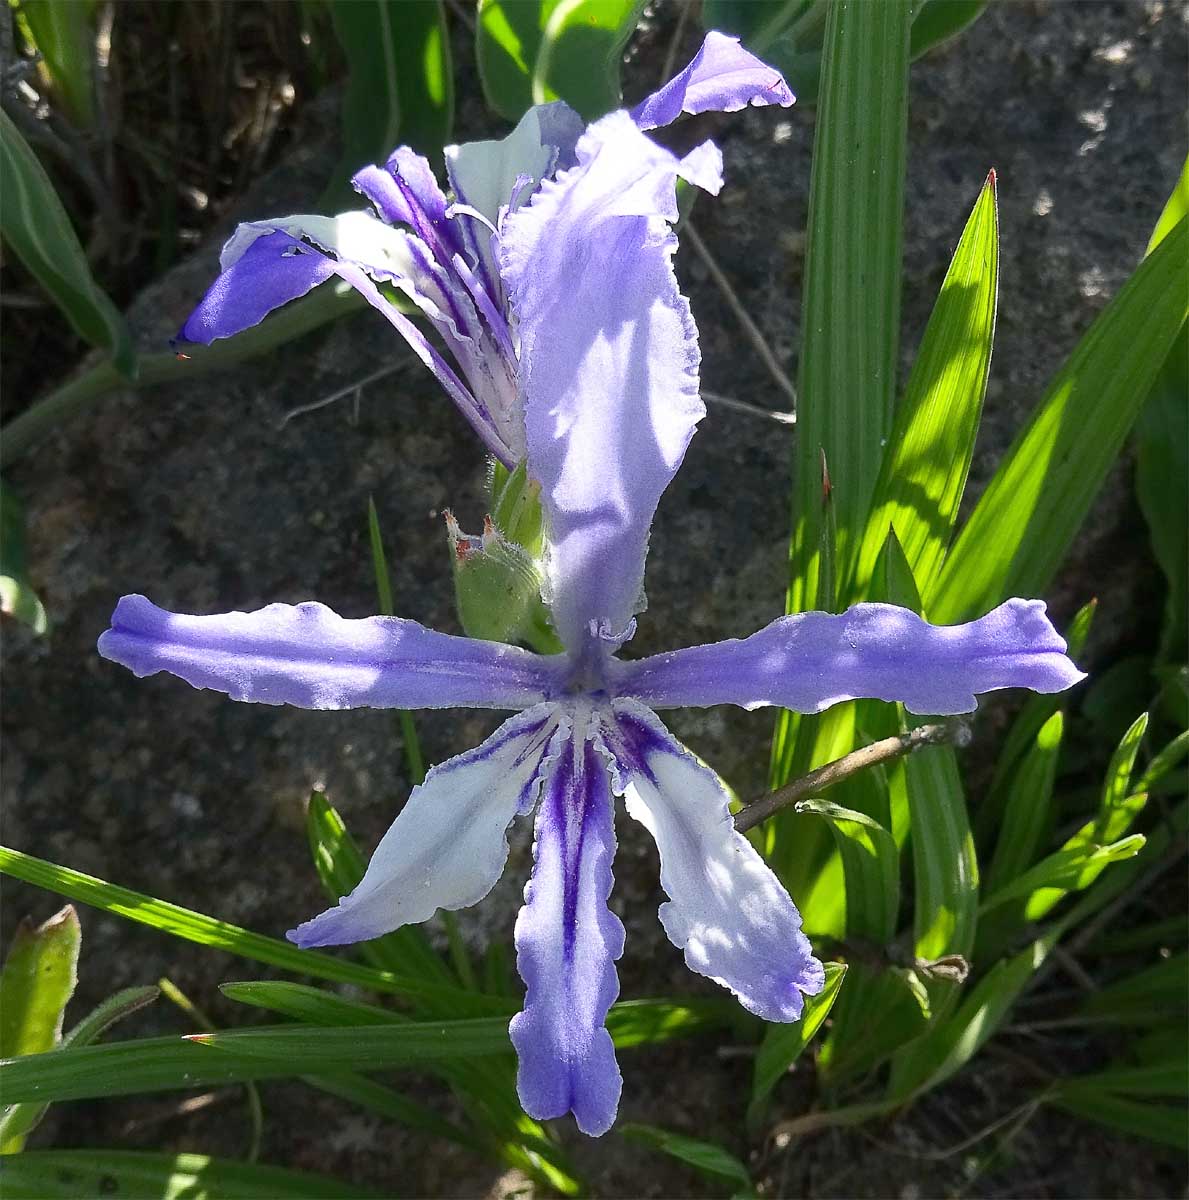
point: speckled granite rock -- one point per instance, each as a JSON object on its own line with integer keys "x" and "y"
{"x": 195, "y": 495}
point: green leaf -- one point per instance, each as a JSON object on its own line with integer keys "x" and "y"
{"x": 788, "y": 33}
{"x": 1171, "y": 756}
{"x": 143, "y": 1175}
{"x": 630, "y": 1022}
{"x": 579, "y": 58}
{"x": 783, "y": 1044}
{"x": 214, "y": 1059}
{"x": 400, "y": 86}
{"x": 1117, "y": 786}
{"x": 945, "y": 866}
{"x": 533, "y": 51}
{"x": 1025, "y": 521}
{"x": 923, "y": 473}
{"x": 389, "y": 1103}
{"x": 19, "y": 1120}
{"x": 64, "y": 35}
{"x": 1029, "y": 803}
{"x": 857, "y": 1044}
{"x": 37, "y": 230}
{"x": 38, "y": 978}
{"x": 939, "y": 20}
{"x": 208, "y": 931}
{"x": 705, "y": 1157}
{"x": 852, "y": 279}
{"x": 871, "y": 867}
{"x": 17, "y": 597}
{"x": 851, "y": 315}
{"x": 1161, "y": 1123}
{"x": 1074, "y": 867}
{"x": 954, "y": 1040}
{"x": 507, "y": 43}
{"x": 1176, "y": 207}
{"x": 340, "y": 866}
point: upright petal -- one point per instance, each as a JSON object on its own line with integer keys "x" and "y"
{"x": 567, "y": 941}
{"x": 723, "y": 77}
{"x": 726, "y": 909}
{"x": 308, "y": 656}
{"x": 609, "y": 365}
{"x": 811, "y": 661}
{"x": 485, "y": 174}
{"x": 448, "y": 847}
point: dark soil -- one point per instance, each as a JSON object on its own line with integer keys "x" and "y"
{"x": 197, "y": 495}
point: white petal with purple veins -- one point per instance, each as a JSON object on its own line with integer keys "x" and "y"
{"x": 726, "y": 909}
{"x": 448, "y": 847}
{"x": 567, "y": 941}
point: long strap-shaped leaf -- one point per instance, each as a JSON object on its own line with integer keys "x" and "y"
{"x": 1024, "y": 524}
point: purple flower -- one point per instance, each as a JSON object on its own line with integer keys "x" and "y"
{"x": 607, "y": 400}
{"x": 444, "y": 256}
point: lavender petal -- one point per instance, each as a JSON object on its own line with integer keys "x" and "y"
{"x": 308, "y": 656}
{"x": 811, "y": 661}
{"x": 726, "y": 909}
{"x": 448, "y": 846}
{"x": 723, "y": 77}
{"x": 567, "y": 941}
{"x": 609, "y": 365}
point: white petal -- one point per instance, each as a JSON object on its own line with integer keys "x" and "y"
{"x": 356, "y": 237}
{"x": 448, "y": 847}
{"x": 484, "y": 174}
{"x": 726, "y": 909}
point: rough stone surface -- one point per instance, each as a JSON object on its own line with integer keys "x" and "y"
{"x": 198, "y": 496}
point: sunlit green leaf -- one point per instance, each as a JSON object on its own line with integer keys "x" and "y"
{"x": 38, "y": 978}
{"x": 871, "y": 868}
{"x": 1023, "y": 525}
{"x": 783, "y": 1044}
{"x": 929, "y": 449}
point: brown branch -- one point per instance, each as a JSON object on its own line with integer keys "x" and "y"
{"x": 951, "y": 732}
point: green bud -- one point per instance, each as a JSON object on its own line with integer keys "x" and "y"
{"x": 498, "y": 574}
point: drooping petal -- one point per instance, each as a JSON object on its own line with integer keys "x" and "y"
{"x": 609, "y": 365}
{"x": 726, "y": 909}
{"x": 266, "y": 275}
{"x": 448, "y": 847}
{"x": 811, "y": 661}
{"x": 723, "y": 77}
{"x": 567, "y": 941}
{"x": 308, "y": 656}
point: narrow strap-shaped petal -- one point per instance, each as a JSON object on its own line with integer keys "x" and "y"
{"x": 567, "y": 941}
{"x": 308, "y": 656}
{"x": 449, "y": 845}
{"x": 609, "y": 366}
{"x": 726, "y": 909}
{"x": 723, "y": 77}
{"x": 811, "y": 661}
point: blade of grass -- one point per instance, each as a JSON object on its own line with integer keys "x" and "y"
{"x": 1023, "y": 525}
{"x": 208, "y": 931}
